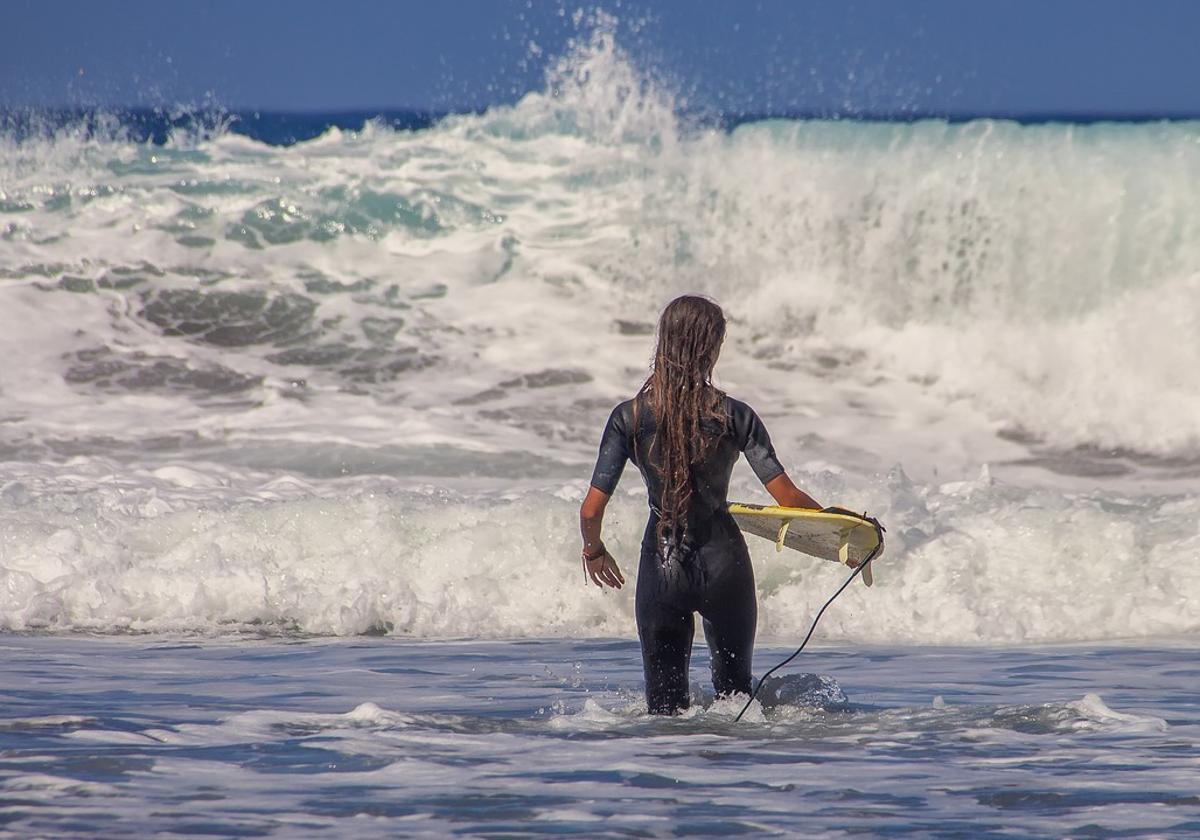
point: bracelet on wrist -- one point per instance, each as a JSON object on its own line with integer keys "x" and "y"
{"x": 596, "y": 554}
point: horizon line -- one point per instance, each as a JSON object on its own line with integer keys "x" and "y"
{"x": 703, "y": 115}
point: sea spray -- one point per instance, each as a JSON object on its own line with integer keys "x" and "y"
{"x": 217, "y": 350}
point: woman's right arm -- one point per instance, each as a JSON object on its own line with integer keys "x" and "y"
{"x": 610, "y": 463}
{"x": 598, "y": 563}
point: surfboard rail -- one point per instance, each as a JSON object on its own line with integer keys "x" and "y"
{"x": 833, "y": 533}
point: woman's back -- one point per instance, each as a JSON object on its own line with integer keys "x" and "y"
{"x": 632, "y": 434}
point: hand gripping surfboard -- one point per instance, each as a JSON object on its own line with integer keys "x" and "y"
{"x": 832, "y": 533}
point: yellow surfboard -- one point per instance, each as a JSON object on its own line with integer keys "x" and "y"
{"x": 833, "y": 534}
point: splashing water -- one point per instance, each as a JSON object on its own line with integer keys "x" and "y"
{"x": 224, "y": 357}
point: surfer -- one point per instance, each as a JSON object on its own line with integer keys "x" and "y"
{"x": 684, "y": 435}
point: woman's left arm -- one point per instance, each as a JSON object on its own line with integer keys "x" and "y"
{"x": 598, "y": 563}
{"x": 788, "y": 494}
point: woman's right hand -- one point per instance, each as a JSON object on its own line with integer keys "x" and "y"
{"x": 603, "y": 571}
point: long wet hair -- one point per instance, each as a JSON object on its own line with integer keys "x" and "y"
{"x": 689, "y": 412}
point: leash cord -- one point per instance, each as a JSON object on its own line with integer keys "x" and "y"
{"x": 874, "y": 552}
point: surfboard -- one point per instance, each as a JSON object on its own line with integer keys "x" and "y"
{"x": 836, "y": 534}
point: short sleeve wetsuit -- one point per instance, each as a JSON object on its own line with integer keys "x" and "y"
{"x": 710, "y": 573}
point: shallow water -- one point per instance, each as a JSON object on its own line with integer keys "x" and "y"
{"x": 120, "y": 736}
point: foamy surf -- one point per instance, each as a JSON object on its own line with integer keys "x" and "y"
{"x": 979, "y": 562}
{"x": 355, "y": 384}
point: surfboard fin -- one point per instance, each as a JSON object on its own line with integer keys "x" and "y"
{"x": 783, "y": 529}
{"x": 844, "y": 556}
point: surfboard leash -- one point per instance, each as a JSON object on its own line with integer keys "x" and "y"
{"x": 857, "y": 570}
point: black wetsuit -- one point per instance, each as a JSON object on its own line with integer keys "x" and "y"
{"x": 709, "y": 573}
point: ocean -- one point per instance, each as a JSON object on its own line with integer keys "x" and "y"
{"x": 295, "y": 421}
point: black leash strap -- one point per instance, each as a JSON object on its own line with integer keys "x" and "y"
{"x": 858, "y": 569}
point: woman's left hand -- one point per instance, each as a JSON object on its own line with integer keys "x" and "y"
{"x": 603, "y": 571}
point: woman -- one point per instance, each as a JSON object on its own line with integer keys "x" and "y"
{"x": 684, "y": 435}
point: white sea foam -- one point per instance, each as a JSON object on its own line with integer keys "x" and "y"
{"x": 356, "y": 383}
{"x": 1043, "y": 276}
{"x": 1096, "y": 715}
{"x": 972, "y": 562}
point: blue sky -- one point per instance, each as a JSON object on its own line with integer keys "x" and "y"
{"x": 1020, "y": 57}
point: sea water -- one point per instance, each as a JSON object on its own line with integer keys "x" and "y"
{"x": 292, "y": 440}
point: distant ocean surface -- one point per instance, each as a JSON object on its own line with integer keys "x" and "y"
{"x": 161, "y": 126}
{"x": 296, "y": 412}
